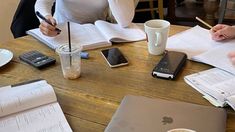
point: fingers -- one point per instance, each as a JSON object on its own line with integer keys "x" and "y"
{"x": 218, "y": 27}
{"x": 218, "y": 37}
{"x": 231, "y": 56}
{"x": 48, "y": 29}
{"x": 218, "y": 32}
{"x": 232, "y": 60}
{"x": 51, "y": 19}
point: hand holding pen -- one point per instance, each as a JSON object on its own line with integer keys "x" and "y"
{"x": 48, "y": 25}
{"x": 220, "y": 31}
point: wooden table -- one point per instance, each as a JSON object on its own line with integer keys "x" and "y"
{"x": 90, "y": 101}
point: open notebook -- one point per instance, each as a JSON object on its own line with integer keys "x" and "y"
{"x": 198, "y": 45}
{"x": 91, "y": 36}
{"x": 31, "y": 107}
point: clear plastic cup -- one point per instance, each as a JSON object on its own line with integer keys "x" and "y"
{"x": 70, "y": 61}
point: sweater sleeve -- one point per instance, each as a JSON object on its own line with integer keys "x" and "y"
{"x": 44, "y": 6}
{"x": 123, "y": 11}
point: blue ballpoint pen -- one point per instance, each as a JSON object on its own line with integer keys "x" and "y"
{"x": 47, "y": 21}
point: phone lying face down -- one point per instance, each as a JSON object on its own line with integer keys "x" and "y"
{"x": 114, "y": 57}
{"x": 170, "y": 65}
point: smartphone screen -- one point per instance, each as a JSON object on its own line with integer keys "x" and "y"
{"x": 114, "y": 57}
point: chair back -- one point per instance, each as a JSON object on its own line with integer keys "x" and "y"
{"x": 152, "y": 9}
{"x": 24, "y": 18}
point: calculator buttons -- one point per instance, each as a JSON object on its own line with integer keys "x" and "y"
{"x": 37, "y": 59}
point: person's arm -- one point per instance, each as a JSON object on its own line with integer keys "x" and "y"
{"x": 44, "y": 6}
{"x": 123, "y": 11}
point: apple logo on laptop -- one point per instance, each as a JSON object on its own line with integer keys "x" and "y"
{"x": 167, "y": 120}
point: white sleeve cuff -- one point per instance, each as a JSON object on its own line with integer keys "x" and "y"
{"x": 123, "y": 11}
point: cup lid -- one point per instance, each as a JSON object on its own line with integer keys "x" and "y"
{"x": 64, "y": 49}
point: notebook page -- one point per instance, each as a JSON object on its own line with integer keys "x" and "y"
{"x": 85, "y": 35}
{"x": 217, "y": 57}
{"x": 24, "y": 97}
{"x": 47, "y": 118}
{"x": 193, "y": 41}
{"x": 215, "y": 82}
{"x": 231, "y": 101}
{"x": 115, "y": 33}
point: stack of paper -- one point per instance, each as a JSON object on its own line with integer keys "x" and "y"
{"x": 216, "y": 85}
{"x": 198, "y": 45}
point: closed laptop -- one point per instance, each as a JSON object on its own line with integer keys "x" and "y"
{"x": 141, "y": 114}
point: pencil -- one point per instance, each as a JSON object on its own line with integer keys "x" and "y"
{"x": 203, "y": 22}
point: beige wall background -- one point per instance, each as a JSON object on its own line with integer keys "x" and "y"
{"x": 7, "y": 10}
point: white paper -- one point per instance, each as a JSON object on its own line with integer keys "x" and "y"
{"x": 193, "y": 41}
{"x": 85, "y": 35}
{"x": 231, "y": 101}
{"x": 115, "y": 33}
{"x": 198, "y": 45}
{"x": 90, "y": 36}
{"x": 31, "y": 108}
{"x": 218, "y": 57}
{"x": 215, "y": 82}
{"x": 47, "y": 118}
{"x": 25, "y": 96}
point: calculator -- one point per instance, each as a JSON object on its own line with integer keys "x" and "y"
{"x": 37, "y": 59}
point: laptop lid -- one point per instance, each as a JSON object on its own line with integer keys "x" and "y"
{"x": 142, "y": 114}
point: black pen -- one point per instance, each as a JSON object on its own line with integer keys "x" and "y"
{"x": 47, "y": 21}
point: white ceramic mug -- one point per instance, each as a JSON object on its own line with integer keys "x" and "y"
{"x": 157, "y": 33}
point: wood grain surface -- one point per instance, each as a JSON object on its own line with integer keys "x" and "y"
{"x": 90, "y": 101}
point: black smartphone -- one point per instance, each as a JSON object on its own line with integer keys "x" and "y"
{"x": 114, "y": 57}
{"x": 170, "y": 65}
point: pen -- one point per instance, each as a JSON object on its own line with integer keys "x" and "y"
{"x": 203, "y": 22}
{"x": 47, "y": 21}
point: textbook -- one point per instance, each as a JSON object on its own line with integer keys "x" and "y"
{"x": 31, "y": 107}
{"x": 216, "y": 85}
{"x": 91, "y": 36}
{"x": 198, "y": 45}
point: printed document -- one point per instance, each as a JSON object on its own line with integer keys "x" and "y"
{"x": 31, "y": 108}
{"x": 216, "y": 85}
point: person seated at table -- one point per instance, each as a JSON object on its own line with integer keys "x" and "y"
{"x": 223, "y": 32}
{"x": 84, "y": 11}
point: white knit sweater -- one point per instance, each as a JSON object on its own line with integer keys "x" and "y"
{"x": 88, "y": 11}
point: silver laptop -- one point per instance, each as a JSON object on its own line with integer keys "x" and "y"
{"x": 141, "y": 114}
